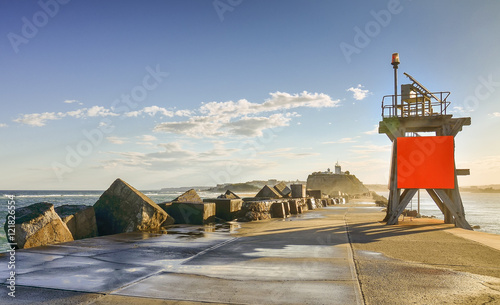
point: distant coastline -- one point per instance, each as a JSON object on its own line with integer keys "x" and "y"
{"x": 476, "y": 189}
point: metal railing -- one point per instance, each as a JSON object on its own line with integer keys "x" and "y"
{"x": 415, "y": 105}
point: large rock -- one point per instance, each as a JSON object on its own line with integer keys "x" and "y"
{"x": 38, "y": 225}
{"x": 122, "y": 208}
{"x": 80, "y": 220}
{"x": 256, "y": 210}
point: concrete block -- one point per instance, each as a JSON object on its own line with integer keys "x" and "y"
{"x": 278, "y": 210}
{"x": 286, "y": 205}
{"x": 268, "y": 192}
{"x": 227, "y": 209}
{"x": 314, "y": 193}
{"x": 197, "y": 213}
{"x": 298, "y": 190}
{"x": 282, "y": 189}
{"x": 311, "y": 204}
{"x": 294, "y": 206}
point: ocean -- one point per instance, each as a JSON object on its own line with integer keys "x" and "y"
{"x": 481, "y": 209}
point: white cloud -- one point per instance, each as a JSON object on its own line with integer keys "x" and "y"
{"x": 183, "y": 113}
{"x": 373, "y": 131}
{"x": 38, "y": 119}
{"x": 73, "y": 102}
{"x": 153, "y": 110}
{"x": 196, "y": 127}
{"x": 3, "y": 125}
{"x": 100, "y": 111}
{"x": 116, "y": 140}
{"x": 278, "y": 101}
{"x": 253, "y": 126}
{"x": 79, "y": 113}
{"x": 243, "y": 118}
{"x": 342, "y": 141}
{"x": 174, "y": 160}
{"x": 147, "y": 138}
{"x": 359, "y": 94}
{"x": 495, "y": 115}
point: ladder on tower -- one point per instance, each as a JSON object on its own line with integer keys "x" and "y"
{"x": 421, "y": 89}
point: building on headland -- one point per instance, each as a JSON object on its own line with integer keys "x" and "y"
{"x": 335, "y": 183}
{"x": 338, "y": 169}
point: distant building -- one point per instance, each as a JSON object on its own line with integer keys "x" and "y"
{"x": 338, "y": 169}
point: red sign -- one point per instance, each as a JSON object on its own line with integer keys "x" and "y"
{"x": 426, "y": 162}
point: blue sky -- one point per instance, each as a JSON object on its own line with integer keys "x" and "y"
{"x": 179, "y": 93}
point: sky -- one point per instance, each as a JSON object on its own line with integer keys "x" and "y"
{"x": 202, "y": 92}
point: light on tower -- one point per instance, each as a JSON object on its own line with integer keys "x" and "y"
{"x": 395, "y": 58}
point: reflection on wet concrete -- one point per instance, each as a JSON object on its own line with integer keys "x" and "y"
{"x": 306, "y": 216}
{"x": 106, "y": 263}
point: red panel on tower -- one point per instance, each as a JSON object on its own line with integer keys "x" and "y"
{"x": 426, "y": 162}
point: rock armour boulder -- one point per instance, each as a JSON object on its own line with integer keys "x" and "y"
{"x": 80, "y": 220}
{"x": 39, "y": 225}
{"x": 122, "y": 208}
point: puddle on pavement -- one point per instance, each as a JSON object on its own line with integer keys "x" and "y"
{"x": 190, "y": 232}
{"x": 181, "y": 231}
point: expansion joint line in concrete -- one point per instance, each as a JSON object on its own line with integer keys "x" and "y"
{"x": 210, "y": 249}
{"x": 185, "y": 261}
{"x": 352, "y": 262}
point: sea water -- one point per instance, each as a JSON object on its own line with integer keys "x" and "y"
{"x": 481, "y": 209}
{"x": 58, "y": 198}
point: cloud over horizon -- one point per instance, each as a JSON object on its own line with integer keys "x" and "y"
{"x": 244, "y": 118}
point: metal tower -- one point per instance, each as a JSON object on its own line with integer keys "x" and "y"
{"x": 417, "y": 110}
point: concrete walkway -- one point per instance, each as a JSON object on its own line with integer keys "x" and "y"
{"x": 336, "y": 255}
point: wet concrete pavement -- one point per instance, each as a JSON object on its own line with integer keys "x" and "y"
{"x": 327, "y": 256}
{"x": 280, "y": 266}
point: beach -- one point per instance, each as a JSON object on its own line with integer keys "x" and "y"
{"x": 340, "y": 254}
